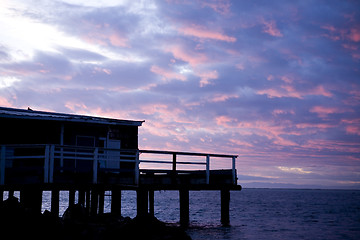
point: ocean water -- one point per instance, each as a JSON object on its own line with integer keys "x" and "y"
{"x": 255, "y": 213}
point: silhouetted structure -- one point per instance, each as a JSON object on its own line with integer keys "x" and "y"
{"x": 55, "y": 151}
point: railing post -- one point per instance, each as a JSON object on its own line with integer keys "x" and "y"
{"x": 173, "y": 174}
{"x": 174, "y": 163}
{"x": 233, "y": 170}
{"x": 95, "y": 165}
{"x": 137, "y": 170}
{"x": 61, "y": 158}
{"x": 2, "y": 165}
{"x": 51, "y": 163}
{"x": 207, "y": 169}
{"x": 46, "y": 164}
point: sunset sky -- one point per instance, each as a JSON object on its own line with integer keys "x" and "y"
{"x": 275, "y": 82}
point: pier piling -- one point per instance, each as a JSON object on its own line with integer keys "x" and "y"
{"x": 55, "y": 199}
{"x": 225, "y": 208}
{"x": 142, "y": 202}
{"x": 184, "y": 207}
{"x": 116, "y": 201}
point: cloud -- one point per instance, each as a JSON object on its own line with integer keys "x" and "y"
{"x": 167, "y": 74}
{"x": 275, "y": 83}
{"x": 271, "y": 29}
{"x": 202, "y": 33}
{"x": 295, "y": 170}
{"x": 194, "y": 58}
{"x": 222, "y": 6}
{"x": 322, "y": 111}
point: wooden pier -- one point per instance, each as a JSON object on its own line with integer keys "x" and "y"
{"x": 90, "y": 156}
{"x": 91, "y": 186}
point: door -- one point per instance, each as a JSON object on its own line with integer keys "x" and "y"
{"x": 113, "y": 154}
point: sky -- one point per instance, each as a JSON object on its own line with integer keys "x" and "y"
{"x": 275, "y": 82}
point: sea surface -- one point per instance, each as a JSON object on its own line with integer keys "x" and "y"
{"x": 255, "y": 213}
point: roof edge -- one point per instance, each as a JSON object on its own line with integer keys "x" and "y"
{"x": 64, "y": 117}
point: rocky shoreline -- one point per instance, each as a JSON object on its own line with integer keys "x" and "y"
{"x": 18, "y": 222}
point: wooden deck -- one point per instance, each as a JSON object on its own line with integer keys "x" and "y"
{"x": 31, "y": 169}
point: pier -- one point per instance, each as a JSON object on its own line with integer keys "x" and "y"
{"x": 89, "y": 156}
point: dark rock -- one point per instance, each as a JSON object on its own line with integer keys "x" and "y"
{"x": 19, "y": 223}
{"x": 76, "y": 212}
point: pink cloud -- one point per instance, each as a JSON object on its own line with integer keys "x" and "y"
{"x": 324, "y": 111}
{"x": 206, "y": 77}
{"x": 200, "y": 32}
{"x": 315, "y": 125}
{"x": 271, "y": 29}
{"x": 222, "y": 6}
{"x": 4, "y": 102}
{"x": 278, "y": 112}
{"x": 222, "y": 97}
{"x": 117, "y": 40}
{"x": 224, "y": 121}
{"x": 333, "y": 145}
{"x": 192, "y": 58}
{"x": 321, "y": 91}
{"x": 288, "y": 90}
{"x": 353, "y": 126}
{"x": 166, "y": 74}
{"x": 104, "y": 35}
{"x": 240, "y": 143}
{"x": 355, "y": 130}
{"x": 354, "y": 34}
{"x": 283, "y": 91}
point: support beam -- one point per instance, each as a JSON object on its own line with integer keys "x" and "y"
{"x": 184, "y": 207}
{"x": 55, "y": 198}
{"x": 225, "y": 207}
{"x": 87, "y": 208}
{"x": 116, "y": 201}
{"x": 101, "y": 201}
{"x": 94, "y": 201}
{"x": 31, "y": 198}
{"x": 2, "y": 165}
{"x": 81, "y": 199}
{"x": 151, "y": 202}
{"x": 142, "y": 202}
{"x": 1, "y": 197}
{"x": 71, "y": 198}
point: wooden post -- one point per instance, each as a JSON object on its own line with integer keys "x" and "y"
{"x": 184, "y": 207}
{"x": 2, "y": 165}
{"x": 46, "y": 164}
{"x": 55, "y": 198}
{"x": 234, "y": 170}
{"x": 31, "y": 198}
{"x": 94, "y": 202}
{"x": 87, "y": 202}
{"x": 173, "y": 175}
{"x": 174, "y": 163}
{"x": 101, "y": 201}
{"x": 151, "y": 202}
{"x": 51, "y": 163}
{"x": 81, "y": 199}
{"x": 207, "y": 169}
{"x": 95, "y": 165}
{"x": 116, "y": 201}
{"x": 142, "y": 202}
{"x": 71, "y": 197}
{"x": 225, "y": 207}
{"x": 137, "y": 169}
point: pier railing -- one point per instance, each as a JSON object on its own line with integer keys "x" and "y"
{"x": 59, "y": 163}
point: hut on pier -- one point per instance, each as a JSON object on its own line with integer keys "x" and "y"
{"x": 56, "y": 151}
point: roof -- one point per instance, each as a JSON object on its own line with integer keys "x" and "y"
{"x": 63, "y": 117}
